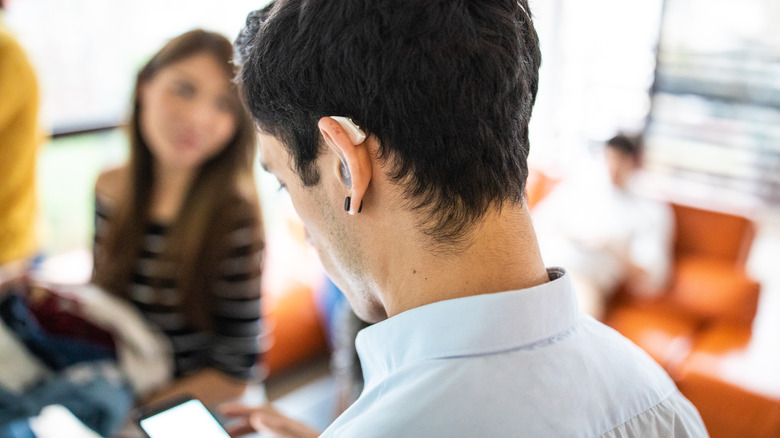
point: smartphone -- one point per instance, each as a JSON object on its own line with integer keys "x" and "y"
{"x": 184, "y": 416}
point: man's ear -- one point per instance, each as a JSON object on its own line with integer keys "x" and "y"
{"x": 347, "y": 140}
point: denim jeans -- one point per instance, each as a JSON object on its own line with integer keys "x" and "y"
{"x": 17, "y": 429}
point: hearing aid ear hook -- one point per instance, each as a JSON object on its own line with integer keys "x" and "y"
{"x": 356, "y": 135}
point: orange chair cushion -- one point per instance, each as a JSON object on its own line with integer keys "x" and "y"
{"x": 734, "y": 398}
{"x": 665, "y": 335}
{"x": 709, "y": 288}
{"x": 729, "y": 411}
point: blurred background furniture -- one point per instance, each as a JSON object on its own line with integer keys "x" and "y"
{"x": 538, "y": 185}
{"x": 700, "y": 327}
{"x": 702, "y": 324}
{"x": 733, "y": 396}
{"x": 709, "y": 285}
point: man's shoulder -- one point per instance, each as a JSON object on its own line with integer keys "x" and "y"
{"x": 673, "y": 417}
{"x": 590, "y": 379}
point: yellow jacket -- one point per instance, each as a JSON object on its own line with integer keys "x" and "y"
{"x": 20, "y": 139}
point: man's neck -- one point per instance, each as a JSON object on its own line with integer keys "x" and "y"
{"x": 503, "y": 256}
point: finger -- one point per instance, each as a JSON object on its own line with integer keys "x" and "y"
{"x": 241, "y": 430}
{"x": 236, "y": 410}
{"x": 272, "y": 421}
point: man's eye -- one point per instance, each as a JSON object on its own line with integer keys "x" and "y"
{"x": 282, "y": 186}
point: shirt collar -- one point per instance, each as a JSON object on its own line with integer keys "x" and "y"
{"x": 475, "y": 325}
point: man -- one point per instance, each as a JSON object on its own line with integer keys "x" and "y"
{"x": 400, "y": 130}
{"x": 20, "y": 138}
{"x": 617, "y": 236}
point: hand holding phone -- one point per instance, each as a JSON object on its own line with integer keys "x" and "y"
{"x": 265, "y": 418}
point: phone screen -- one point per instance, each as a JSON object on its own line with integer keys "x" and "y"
{"x": 190, "y": 419}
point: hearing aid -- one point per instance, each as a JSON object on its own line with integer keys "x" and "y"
{"x": 356, "y": 135}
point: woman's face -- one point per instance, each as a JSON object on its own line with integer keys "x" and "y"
{"x": 187, "y": 112}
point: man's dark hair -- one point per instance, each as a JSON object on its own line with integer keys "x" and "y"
{"x": 630, "y": 146}
{"x": 447, "y": 87}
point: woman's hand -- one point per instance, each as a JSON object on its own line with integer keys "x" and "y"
{"x": 265, "y": 419}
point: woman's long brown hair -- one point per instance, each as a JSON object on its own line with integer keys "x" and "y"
{"x": 222, "y": 196}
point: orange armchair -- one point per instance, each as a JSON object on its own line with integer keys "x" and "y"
{"x": 728, "y": 382}
{"x": 699, "y": 330}
{"x": 709, "y": 285}
{"x": 710, "y": 281}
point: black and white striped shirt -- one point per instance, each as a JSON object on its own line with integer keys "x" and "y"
{"x": 233, "y": 346}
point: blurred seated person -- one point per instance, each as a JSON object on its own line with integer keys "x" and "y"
{"x": 20, "y": 139}
{"x": 178, "y": 228}
{"x": 604, "y": 233}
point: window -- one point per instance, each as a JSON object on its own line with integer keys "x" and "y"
{"x": 87, "y": 52}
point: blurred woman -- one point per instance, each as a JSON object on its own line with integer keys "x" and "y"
{"x": 178, "y": 227}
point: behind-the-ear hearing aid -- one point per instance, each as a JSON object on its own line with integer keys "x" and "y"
{"x": 356, "y": 135}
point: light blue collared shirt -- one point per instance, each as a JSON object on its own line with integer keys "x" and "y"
{"x": 524, "y": 363}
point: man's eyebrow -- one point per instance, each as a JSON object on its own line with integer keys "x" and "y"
{"x": 264, "y": 166}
